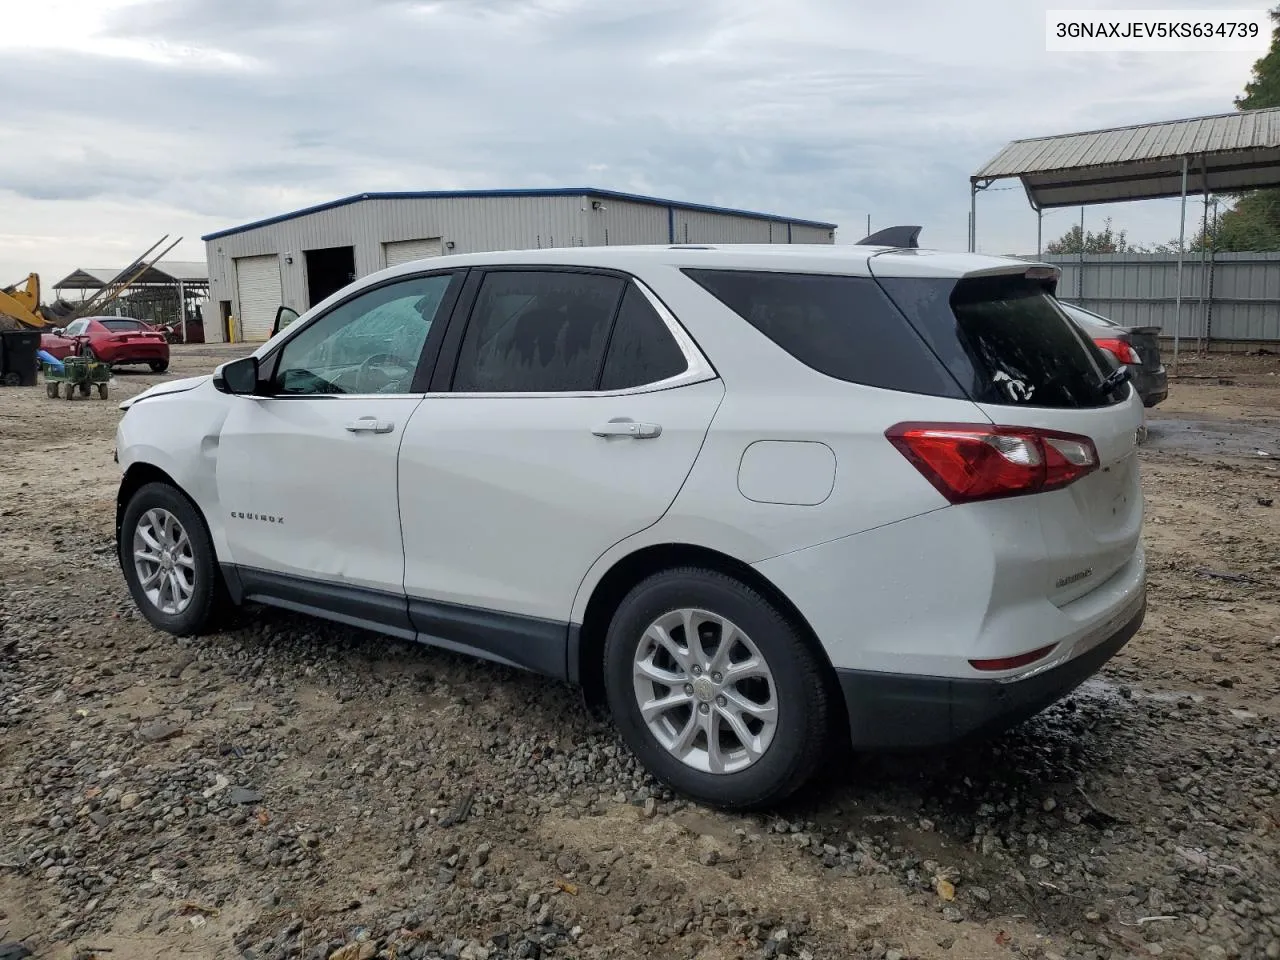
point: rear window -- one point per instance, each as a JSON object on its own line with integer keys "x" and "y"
{"x": 1080, "y": 315}
{"x": 124, "y": 326}
{"x": 844, "y": 327}
{"x": 1006, "y": 340}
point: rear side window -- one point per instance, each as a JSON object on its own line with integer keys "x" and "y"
{"x": 641, "y": 350}
{"x": 1006, "y": 340}
{"x": 537, "y": 332}
{"x": 844, "y": 327}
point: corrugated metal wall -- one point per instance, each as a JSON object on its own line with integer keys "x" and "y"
{"x": 473, "y": 224}
{"x": 625, "y": 223}
{"x": 801, "y": 233}
{"x": 1233, "y": 296}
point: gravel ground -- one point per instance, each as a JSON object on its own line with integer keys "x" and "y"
{"x": 289, "y": 788}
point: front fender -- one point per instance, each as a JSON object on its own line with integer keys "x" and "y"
{"x": 179, "y": 435}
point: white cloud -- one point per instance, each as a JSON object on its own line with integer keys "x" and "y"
{"x": 128, "y": 119}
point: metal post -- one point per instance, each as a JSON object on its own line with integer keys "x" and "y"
{"x": 182, "y": 309}
{"x": 1039, "y": 229}
{"x": 1204, "y": 244}
{"x": 973, "y": 216}
{"x": 1080, "y": 269}
{"x": 1182, "y": 242}
{"x": 868, "y": 233}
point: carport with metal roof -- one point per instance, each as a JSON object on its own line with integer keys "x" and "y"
{"x": 1221, "y": 153}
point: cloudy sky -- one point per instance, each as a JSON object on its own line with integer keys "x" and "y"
{"x": 128, "y": 119}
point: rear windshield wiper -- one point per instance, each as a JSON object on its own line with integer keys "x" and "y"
{"x": 1116, "y": 378}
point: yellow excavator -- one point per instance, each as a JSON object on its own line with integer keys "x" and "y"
{"x": 20, "y": 303}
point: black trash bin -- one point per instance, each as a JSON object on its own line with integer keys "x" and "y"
{"x": 18, "y": 366}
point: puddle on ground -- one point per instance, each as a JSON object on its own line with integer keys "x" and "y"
{"x": 1224, "y": 438}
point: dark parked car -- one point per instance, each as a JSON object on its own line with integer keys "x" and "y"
{"x": 1136, "y": 347}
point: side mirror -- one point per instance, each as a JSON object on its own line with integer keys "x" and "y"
{"x": 239, "y": 377}
{"x": 58, "y": 331}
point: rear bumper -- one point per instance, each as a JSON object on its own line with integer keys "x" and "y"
{"x": 902, "y": 711}
{"x": 147, "y": 354}
{"x": 1153, "y": 388}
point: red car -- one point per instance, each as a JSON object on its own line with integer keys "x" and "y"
{"x": 115, "y": 340}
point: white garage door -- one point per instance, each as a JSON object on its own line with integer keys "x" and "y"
{"x": 258, "y": 284}
{"x": 404, "y": 251}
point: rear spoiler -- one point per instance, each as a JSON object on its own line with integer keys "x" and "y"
{"x": 900, "y": 237}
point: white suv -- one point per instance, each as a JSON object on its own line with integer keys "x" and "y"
{"x": 746, "y": 496}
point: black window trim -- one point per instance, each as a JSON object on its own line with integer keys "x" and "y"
{"x": 698, "y": 368}
{"x": 427, "y": 359}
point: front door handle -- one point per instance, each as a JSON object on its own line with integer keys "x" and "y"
{"x": 622, "y": 427}
{"x": 370, "y": 425}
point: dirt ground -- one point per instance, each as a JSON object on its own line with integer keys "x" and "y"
{"x": 289, "y": 788}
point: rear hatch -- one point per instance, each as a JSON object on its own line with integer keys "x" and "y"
{"x": 1025, "y": 364}
{"x": 132, "y": 331}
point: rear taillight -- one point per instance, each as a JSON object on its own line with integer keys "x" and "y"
{"x": 968, "y": 462}
{"x": 1121, "y": 350}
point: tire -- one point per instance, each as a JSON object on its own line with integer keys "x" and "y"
{"x": 207, "y": 601}
{"x": 85, "y": 389}
{"x": 102, "y": 391}
{"x": 51, "y": 390}
{"x": 70, "y": 390}
{"x": 159, "y": 366}
{"x": 785, "y": 757}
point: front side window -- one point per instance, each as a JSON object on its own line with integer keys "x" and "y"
{"x": 536, "y": 331}
{"x": 369, "y": 344}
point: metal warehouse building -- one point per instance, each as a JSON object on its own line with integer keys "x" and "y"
{"x": 297, "y": 259}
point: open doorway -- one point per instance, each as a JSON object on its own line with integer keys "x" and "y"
{"x": 328, "y": 271}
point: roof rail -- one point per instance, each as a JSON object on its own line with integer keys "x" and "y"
{"x": 893, "y": 237}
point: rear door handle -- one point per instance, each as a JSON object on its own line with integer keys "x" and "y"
{"x": 370, "y": 425}
{"x": 623, "y": 427}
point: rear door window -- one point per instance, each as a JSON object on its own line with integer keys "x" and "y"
{"x": 641, "y": 350}
{"x": 1006, "y": 340}
{"x": 538, "y": 332}
{"x": 844, "y": 327}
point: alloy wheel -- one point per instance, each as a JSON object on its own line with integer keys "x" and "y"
{"x": 705, "y": 691}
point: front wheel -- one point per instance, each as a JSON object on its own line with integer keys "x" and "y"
{"x": 715, "y": 689}
{"x": 169, "y": 562}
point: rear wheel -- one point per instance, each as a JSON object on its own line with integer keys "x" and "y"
{"x": 169, "y": 563}
{"x": 159, "y": 366}
{"x": 715, "y": 690}
{"x": 51, "y": 389}
{"x": 102, "y": 391}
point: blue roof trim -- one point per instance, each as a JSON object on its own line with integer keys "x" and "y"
{"x": 484, "y": 194}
